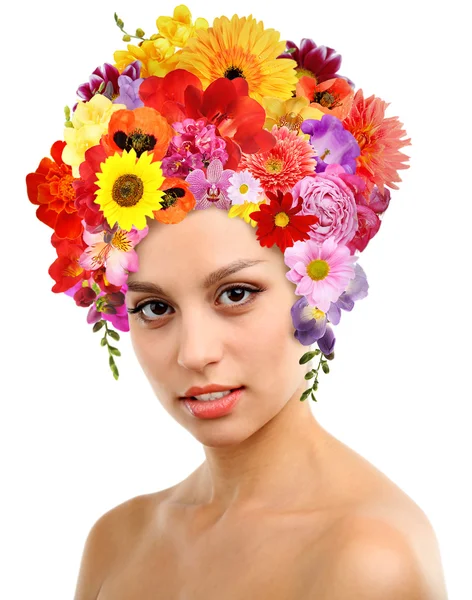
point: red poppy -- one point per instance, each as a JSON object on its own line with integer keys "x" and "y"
{"x": 333, "y": 97}
{"x": 225, "y": 103}
{"x": 166, "y": 94}
{"x": 65, "y": 270}
{"x": 143, "y": 129}
{"x": 279, "y": 222}
{"x": 177, "y": 201}
{"x": 85, "y": 187}
{"x": 51, "y": 187}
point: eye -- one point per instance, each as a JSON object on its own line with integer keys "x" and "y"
{"x": 153, "y": 310}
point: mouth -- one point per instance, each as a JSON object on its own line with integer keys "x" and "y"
{"x": 195, "y": 398}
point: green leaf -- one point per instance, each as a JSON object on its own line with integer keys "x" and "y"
{"x": 305, "y": 395}
{"x": 314, "y": 398}
{"x": 306, "y": 357}
{"x": 114, "y": 351}
{"x": 114, "y": 334}
{"x": 98, "y": 325}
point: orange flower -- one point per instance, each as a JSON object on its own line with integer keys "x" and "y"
{"x": 50, "y": 187}
{"x": 177, "y": 201}
{"x": 333, "y": 97}
{"x": 380, "y": 142}
{"x": 143, "y": 129}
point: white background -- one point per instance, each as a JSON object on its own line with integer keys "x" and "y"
{"x": 74, "y": 442}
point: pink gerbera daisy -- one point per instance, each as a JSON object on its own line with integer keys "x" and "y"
{"x": 379, "y": 140}
{"x": 291, "y": 159}
{"x": 322, "y": 273}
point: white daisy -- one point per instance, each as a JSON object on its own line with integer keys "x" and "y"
{"x": 244, "y": 187}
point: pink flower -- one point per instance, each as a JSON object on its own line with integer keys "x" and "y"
{"x": 322, "y": 273}
{"x": 212, "y": 189}
{"x": 331, "y": 196}
{"x": 114, "y": 249}
{"x": 368, "y": 226}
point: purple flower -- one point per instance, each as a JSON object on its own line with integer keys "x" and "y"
{"x": 312, "y": 325}
{"x": 110, "y": 307}
{"x": 106, "y": 77}
{"x": 211, "y": 190}
{"x": 321, "y": 62}
{"x": 180, "y": 164}
{"x": 129, "y": 92}
{"x": 333, "y": 143}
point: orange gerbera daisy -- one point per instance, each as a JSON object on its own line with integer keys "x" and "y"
{"x": 380, "y": 142}
{"x": 279, "y": 168}
{"x": 143, "y": 129}
{"x": 177, "y": 201}
{"x": 333, "y": 97}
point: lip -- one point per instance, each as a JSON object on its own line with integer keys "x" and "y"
{"x": 214, "y": 408}
{"x": 213, "y": 387}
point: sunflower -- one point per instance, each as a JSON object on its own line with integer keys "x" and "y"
{"x": 241, "y": 48}
{"x": 128, "y": 189}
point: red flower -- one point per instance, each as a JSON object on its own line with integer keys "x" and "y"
{"x": 65, "y": 270}
{"x": 279, "y": 222}
{"x": 50, "y": 187}
{"x": 333, "y": 97}
{"x": 85, "y": 187}
{"x": 226, "y": 104}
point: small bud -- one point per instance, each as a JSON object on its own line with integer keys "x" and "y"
{"x": 155, "y": 36}
{"x": 330, "y": 356}
{"x": 67, "y": 112}
{"x": 315, "y": 386}
{"x": 114, "y": 351}
{"x": 68, "y": 124}
{"x": 305, "y": 395}
{"x": 126, "y": 38}
{"x": 314, "y": 398}
{"x": 309, "y": 375}
{"x": 325, "y": 367}
{"x": 103, "y": 342}
{"x": 114, "y": 335}
{"x": 139, "y": 32}
{"x": 98, "y": 325}
{"x": 317, "y": 352}
{"x": 306, "y": 357}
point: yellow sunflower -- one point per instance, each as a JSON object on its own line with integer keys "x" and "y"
{"x": 128, "y": 189}
{"x": 241, "y": 48}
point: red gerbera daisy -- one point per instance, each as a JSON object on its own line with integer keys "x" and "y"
{"x": 291, "y": 159}
{"x": 379, "y": 140}
{"x": 279, "y": 222}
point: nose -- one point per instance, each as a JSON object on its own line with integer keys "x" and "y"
{"x": 200, "y": 340}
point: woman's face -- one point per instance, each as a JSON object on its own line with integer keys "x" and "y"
{"x": 194, "y": 335}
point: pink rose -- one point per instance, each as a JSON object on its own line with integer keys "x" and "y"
{"x": 331, "y": 196}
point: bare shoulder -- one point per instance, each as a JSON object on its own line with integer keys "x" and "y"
{"x": 375, "y": 558}
{"x": 110, "y": 534}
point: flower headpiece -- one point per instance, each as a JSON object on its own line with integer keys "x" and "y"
{"x": 227, "y": 116}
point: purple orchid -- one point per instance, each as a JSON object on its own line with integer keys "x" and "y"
{"x": 333, "y": 143}
{"x": 106, "y": 77}
{"x": 320, "y": 62}
{"x": 211, "y": 189}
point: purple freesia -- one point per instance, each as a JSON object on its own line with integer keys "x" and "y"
{"x": 110, "y": 307}
{"x": 321, "y": 62}
{"x": 106, "y": 77}
{"x": 356, "y": 290}
{"x": 129, "y": 92}
{"x": 333, "y": 143}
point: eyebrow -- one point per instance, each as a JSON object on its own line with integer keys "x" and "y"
{"x": 211, "y": 279}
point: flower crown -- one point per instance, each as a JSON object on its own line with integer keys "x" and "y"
{"x": 226, "y": 116}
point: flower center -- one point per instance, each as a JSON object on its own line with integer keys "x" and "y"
{"x": 66, "y": 191}
{"x": 170, "y": 197}
{"x": 127, "y": 190}
{"x": 120, "y": 241}
{"x": 318, "y": 269}
{"x": 317, "y": 313}
{"x": 137, "y": 139}
{"x": 232, "y": 72}
{"x": 243, "y": 189}
{"x": 274, "y": 165}
{"x": 281, "y": 219}
{"x": 302, "y": 72}
{"x": 327, "y": 100}
{"x": 292, "y": 121}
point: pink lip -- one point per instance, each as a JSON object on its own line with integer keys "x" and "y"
{"x": 213, "y": 408}
{"x": 213, "y": 387}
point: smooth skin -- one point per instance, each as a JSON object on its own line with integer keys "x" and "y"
{"x": 279, "y": 508}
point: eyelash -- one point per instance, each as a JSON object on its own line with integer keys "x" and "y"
{"x": 137, "y": 310}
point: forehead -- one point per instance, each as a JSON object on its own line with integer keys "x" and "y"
{"x": 202, "y": 241}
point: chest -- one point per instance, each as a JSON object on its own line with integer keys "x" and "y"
{"x": 269, "y": 559}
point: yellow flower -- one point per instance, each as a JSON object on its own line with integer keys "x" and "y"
{"x": 90, "y": 121}
{"x": 241, "y": 48}
{"x": 244, "y": 210}
{"x": 290, "y": 113}
{"x": 157, "y": 57}
{"x": 128, "y": 189}
{"x": 179, "y": 28}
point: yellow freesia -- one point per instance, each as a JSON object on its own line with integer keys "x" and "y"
{"x": 89, "y": 122}
{"x": 157, "y": 57}
{"x": 290, "y": 113}
{"x": 179, "y": 28}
